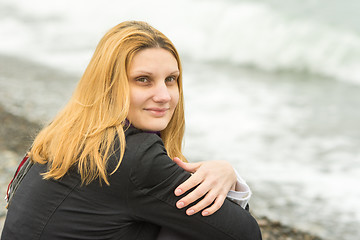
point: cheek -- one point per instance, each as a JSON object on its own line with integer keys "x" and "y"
{"x": 136, "y": 98}
{"x": 175, "y": 97}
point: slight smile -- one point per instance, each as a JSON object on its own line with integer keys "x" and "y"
{"x": 157, "y": 112}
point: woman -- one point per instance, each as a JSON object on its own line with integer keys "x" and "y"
{"x": 103, "y": 170}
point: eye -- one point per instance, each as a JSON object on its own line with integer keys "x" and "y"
{"x": 142, "y": 80}
{"x": 171, "y": 79}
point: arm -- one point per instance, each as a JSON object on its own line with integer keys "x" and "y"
{"x": 215, "y": 180}
{"x": 155, "y": 177}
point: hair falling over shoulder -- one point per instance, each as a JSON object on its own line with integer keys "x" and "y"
{"x": 82, "y": 135}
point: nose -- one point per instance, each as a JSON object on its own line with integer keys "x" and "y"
{"x": 161, "y": 94}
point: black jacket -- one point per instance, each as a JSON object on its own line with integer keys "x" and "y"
{"x": 139, "y": 200}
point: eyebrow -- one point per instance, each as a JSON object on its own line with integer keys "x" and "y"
{"x": 176, "y": 72}
{"x": 150, "y": 73}
{"x": 142, "y": 72}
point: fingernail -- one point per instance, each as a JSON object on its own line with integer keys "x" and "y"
{"x": 180, "y": 204}
{"x": 205, "y": 213}
{"x": 178, "y": 192}
{"x": 190, "y": 212}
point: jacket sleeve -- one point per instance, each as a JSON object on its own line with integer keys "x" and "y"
{"x": 155, "y": 176}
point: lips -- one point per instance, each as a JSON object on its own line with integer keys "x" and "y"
{"x": 157, "y": 112}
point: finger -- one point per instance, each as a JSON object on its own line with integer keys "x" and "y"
{"x": 205, "y": 202}
{"x": 191, "y": 182}
{"x": 189, "y": 167}
{"x": 219, "y": 201}
{"x": 194, "y": 195}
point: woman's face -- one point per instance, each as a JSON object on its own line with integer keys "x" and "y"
{"x": 154, "y": 92}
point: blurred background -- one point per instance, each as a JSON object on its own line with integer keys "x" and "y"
{"x": 271, "y": 86}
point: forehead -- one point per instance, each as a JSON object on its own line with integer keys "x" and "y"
{"x": 153, "y": 59}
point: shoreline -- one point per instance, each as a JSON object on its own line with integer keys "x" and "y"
{"x": 17, "y": 130}
{"x": 16, "y": 134}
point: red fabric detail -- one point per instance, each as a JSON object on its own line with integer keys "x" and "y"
{"x": 16, "y": 173}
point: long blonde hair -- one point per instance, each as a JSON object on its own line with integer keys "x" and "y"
{"x": 82, "y": 134}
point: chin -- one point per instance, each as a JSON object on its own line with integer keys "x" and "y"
{"x": 155, "y": 126}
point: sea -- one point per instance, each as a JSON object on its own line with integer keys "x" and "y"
{"x": 271, "y": 86}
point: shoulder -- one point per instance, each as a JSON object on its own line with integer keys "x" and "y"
{"x": 147, "y": 156}
{"x": 138, "y": 141}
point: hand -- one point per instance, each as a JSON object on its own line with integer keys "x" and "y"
{"x": 214, "y": 179}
